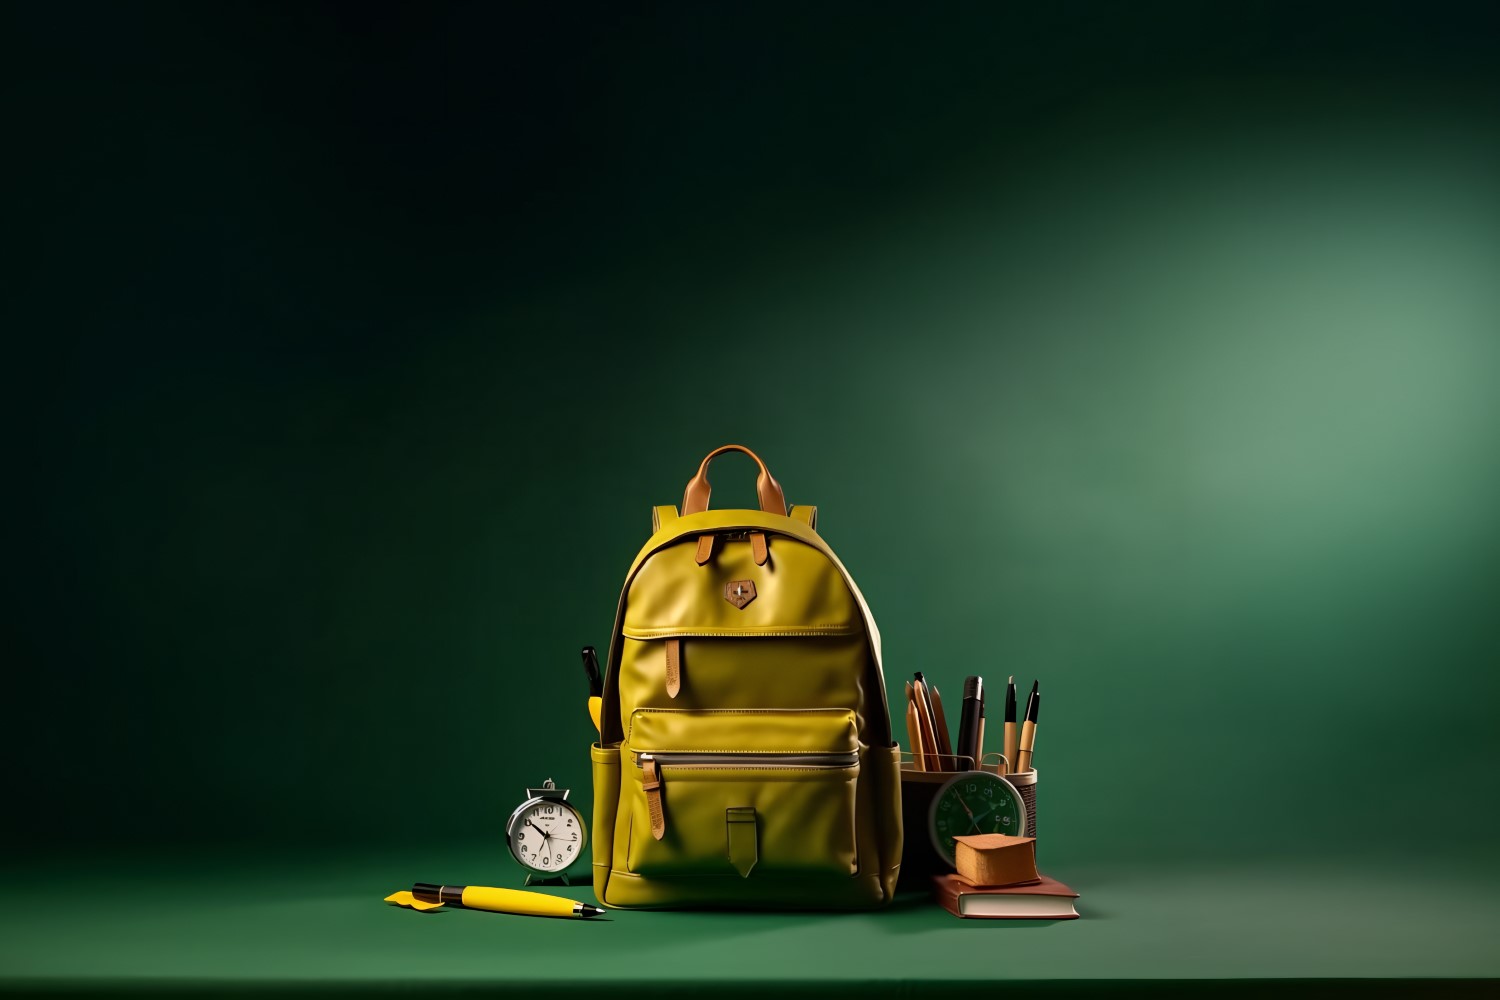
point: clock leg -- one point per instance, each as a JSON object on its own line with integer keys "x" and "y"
{"x": 535, "y": 879}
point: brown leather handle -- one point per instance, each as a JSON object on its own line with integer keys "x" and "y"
{"x": 767, "y": 489}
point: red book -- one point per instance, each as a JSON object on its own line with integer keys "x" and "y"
{"x": 1047, "y": 899}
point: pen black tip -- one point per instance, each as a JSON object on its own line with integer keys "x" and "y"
{"x": 590, "y": 910}
{"x": 1034, "y": 688}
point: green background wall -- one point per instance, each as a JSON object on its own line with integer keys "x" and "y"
{"x": 1148, "y": 350}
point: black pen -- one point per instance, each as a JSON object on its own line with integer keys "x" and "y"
{"x": 591, "y": 667}
{"x": 979, "y": 736}
{"x": 1028, "y": 730}
{"x": 1012, "y": 734}
{"x": 968, "y": 721}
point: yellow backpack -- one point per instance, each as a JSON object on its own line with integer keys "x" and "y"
{"x": 745, "y": 755}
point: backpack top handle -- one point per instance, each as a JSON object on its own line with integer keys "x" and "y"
{"x": 767, "y": 489}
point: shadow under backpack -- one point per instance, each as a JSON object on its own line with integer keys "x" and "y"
{"x": 745, "y": 757}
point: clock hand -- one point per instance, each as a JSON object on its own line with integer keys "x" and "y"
{"x": 982, "y": 815}
{"x": 545, "y": 835}
{"x": 972, "y": 821}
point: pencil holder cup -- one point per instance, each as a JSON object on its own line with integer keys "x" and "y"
{"x": 919, "y": 858}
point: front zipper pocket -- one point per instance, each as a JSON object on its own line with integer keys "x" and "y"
{"x": 751, "y": 759}
{"x": 711, "y": 810}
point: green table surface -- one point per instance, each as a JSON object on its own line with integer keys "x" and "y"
{"x": 218, "y": 924}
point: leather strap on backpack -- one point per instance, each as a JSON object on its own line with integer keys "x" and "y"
{"x": 767, "y": 489}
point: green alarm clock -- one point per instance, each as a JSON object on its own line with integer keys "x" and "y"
{"x": 974, "y": 802}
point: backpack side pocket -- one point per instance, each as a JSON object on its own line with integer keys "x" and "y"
{"x": 886, "y": 764}
{"x": 606, "y": 767}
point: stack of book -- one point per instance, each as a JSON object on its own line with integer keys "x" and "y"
{"x": 997, "y": 879}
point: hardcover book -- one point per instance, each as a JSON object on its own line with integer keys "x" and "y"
{"x": 1046, "y": 899}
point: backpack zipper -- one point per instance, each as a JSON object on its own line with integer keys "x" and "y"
{"x": 699, "y": 759}
{"x": 652, "y": 779}
{"x": 759, "y": 546}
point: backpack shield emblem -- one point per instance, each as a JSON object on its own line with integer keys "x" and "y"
{"x": 739, "y": 592}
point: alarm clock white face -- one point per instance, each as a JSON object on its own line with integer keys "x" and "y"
{"x": 547, "y": 837}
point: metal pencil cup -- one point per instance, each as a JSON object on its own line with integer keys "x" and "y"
{"x": 919, "y": 859}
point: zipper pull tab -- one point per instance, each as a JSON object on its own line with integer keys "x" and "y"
{"x": 651, "y": 782}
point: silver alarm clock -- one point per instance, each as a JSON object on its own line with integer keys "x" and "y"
{"x": 546, "y": 833}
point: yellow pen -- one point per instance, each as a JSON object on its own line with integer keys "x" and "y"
{"x": 483, "y": 897}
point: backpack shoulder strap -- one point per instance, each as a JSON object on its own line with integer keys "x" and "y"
{"x": 806, "y": 513}
{"x": 662, "y": 516}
